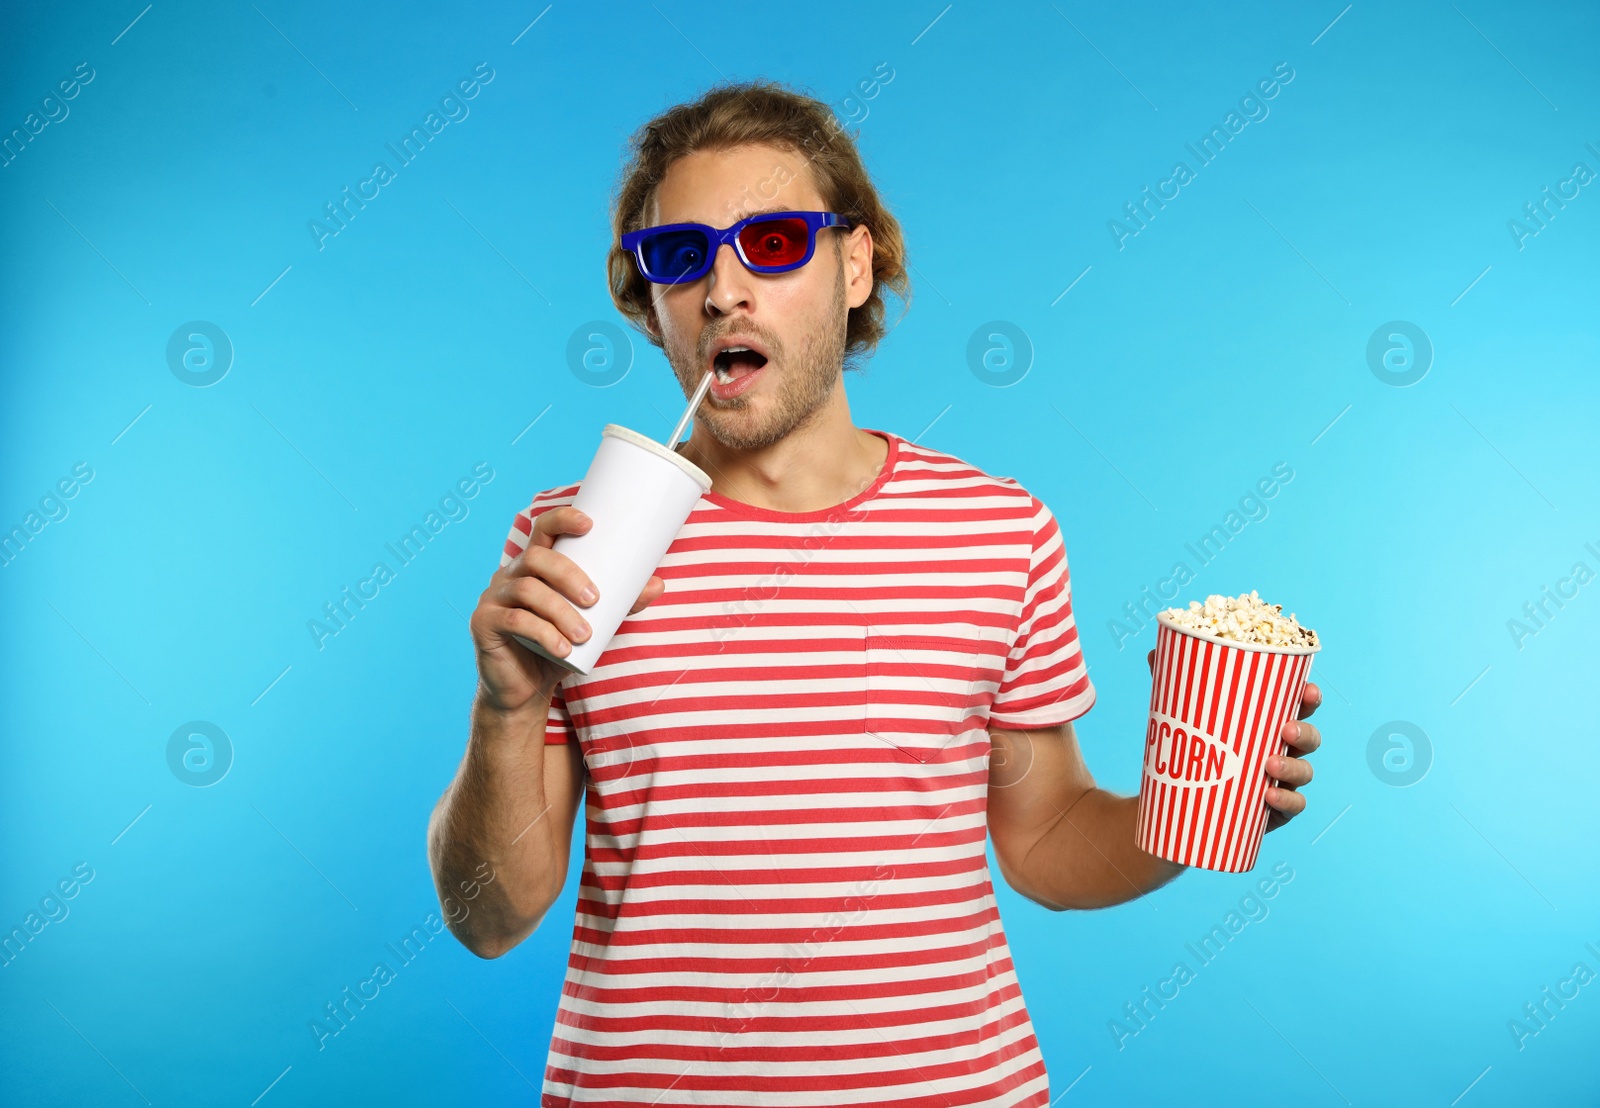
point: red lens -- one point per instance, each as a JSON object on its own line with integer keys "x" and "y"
{"x": 773, "y": 242}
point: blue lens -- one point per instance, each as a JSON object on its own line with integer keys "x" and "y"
{"x": 670, "y": 256}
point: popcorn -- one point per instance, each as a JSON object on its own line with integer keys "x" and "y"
{"x": 1246, "y": 619}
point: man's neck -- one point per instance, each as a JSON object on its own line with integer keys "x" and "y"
{"x": 809, "y": 470}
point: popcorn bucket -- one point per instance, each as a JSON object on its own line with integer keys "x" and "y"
{"x": 1217, "y": 709}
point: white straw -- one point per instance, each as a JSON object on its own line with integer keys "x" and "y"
{"x": 688, "y": 413}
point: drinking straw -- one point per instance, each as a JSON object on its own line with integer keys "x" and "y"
{"x": 694, "y": 403}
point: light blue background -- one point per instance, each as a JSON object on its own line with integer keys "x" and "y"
{"x": 1229, "y": 335}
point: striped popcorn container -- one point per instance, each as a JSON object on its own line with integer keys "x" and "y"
{"x": 1217, "y": 710}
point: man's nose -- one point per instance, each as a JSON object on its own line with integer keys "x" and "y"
{"x": 730, "y": 283}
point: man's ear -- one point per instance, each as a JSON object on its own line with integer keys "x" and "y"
{"x": 858, "y": 257}
{"x": 652, "y": 323}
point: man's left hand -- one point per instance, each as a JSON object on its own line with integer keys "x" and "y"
{"x": 1292, "y": 770}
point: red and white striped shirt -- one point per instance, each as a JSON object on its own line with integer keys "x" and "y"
{"x": 785, "y": 896}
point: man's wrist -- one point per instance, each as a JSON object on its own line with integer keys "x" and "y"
{"x": 501, "y": 720}
{"x": 1157, "y": 871}
{"x": 1162, "y": 869}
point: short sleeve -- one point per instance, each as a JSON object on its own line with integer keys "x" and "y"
{"x": 1045, "y": 682}
{"x": 558, "y": 726}
{"x": 522, "y": 526}
{"x": 517, "y": 540}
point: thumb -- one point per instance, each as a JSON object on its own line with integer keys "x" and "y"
{"x": 652, "y": 590}
{"x": 1151, "y": 658}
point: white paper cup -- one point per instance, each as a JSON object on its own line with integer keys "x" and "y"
{"x": 1217, "y": 710}
{"x": 639, "y": 495}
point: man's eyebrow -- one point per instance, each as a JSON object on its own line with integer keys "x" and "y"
{"x": 748, "y": 212}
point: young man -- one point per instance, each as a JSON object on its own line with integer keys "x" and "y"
{"x": 857, "y": 662}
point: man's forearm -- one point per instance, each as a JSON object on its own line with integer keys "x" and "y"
{"x": 1088, "y": 858}
{"x": 491, "y": 818}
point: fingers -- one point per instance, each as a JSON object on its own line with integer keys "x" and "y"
{"x": 565, "y": 520}
{"x": 1293, "y": 772}
{"x": 564, "y": 582}
{"x": 555, "y": 569}
{"x": 1285, "y": 801}
{"x": 530, "y": 607}
{"x": 1303, "y": 738}
{"x": 1310, "y": 700}
{"x": 1151, "y": 658}
{"x": 544, "y": 601}
{"x": 1290, "y": 773}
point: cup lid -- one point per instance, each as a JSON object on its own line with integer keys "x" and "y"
{"x": 1266, "y": 648}
{"x": 616, "y": 430}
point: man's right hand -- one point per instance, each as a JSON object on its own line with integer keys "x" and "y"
{"x": 534, "y": 597}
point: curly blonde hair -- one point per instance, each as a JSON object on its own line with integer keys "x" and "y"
{"x": 764, "y": 112}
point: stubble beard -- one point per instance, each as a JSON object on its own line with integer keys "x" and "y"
{"x": 808, "y": 381}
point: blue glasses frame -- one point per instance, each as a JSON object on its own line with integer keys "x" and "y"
{"x": 648, "y": 246}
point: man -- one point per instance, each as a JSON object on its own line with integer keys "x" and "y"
{"x": 856, "y": 664}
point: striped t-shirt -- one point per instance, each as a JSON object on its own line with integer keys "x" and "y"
{"x": 786, "y": 898}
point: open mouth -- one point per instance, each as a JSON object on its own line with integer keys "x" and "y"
{"x": 736, "y": 362}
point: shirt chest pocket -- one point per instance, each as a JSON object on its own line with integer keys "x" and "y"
{"x": 928, "y": 693}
